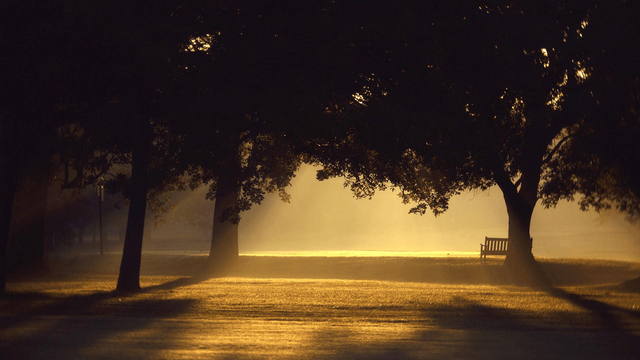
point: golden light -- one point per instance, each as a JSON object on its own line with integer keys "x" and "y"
{"x": 360, "y": 99}
{"x": 201, "y": 43}
{"x": 545, "y": 54}
{"x": 581, "y": 72}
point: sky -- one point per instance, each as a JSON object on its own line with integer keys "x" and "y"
{"x": 325, "y": 216}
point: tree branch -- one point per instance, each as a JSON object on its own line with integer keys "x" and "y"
{"x": 518, "y": 182}
{"x": 504, "y": 182}
{"x": 556, "y": 148}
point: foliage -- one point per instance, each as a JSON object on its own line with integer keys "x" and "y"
{"x": 601, "y": 161}
{"x": 252, "y": 86}
{"x": 503, "y": 106}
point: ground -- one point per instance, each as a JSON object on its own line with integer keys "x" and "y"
{"x": 270, "y": 307}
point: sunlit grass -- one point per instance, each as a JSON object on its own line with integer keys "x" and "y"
{"x": 77, "y": 315}
{"x": 361, "y": 253}
{"x": 291, "y": 317}
{"x": 327, "y": 299}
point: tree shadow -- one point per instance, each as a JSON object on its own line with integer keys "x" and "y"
{"x": 606, "y": 315}
{"x": 173, "y": 284}
{"x": 630, "y": 286}
{"x": 467, "y": 329}
{"x": 75, "y": 325}
{"x": 512, "y": 334}
{"x": 594, "y": 272}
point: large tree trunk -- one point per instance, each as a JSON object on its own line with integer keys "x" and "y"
{"x": 519, "y": 250}
{"x": 224, "y": 238}
{"x": 8, "y": 184}
{"x": 129, "y": 277}
{"x": 520, "y": 261}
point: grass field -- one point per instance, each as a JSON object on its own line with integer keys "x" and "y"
{"x": 273, "y": 307}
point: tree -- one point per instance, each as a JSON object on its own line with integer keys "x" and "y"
{"x": 137, "y": 85}
{"x": 32, "y": 75}
{"x": 463, "y": 97}
{"x": 259, "y": 84}
{"x": 606, "y": 154}
{"x": 111, "y": 79}
{"x": 119, "y": 82}
{"x": 229, "y": 82}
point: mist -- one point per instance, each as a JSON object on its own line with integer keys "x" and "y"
{"x": 324, "y": 216}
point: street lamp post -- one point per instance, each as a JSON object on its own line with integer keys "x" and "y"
{"x": 100, "y": 193}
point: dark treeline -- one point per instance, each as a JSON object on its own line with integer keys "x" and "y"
{"x": 433, "y": 99}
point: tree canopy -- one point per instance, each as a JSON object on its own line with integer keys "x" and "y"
{"x": 540, "y": 99}
{"x": 462, "y": 97}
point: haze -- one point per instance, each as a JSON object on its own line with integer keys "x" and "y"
{"x": 324, "y": 216}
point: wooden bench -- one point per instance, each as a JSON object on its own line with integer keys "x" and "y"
{"x": 495, "y": 246}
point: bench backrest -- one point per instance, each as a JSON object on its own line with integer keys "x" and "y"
{"x": 496, "y": 244}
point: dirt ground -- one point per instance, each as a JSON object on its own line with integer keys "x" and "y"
{"x": 333, "y": 308}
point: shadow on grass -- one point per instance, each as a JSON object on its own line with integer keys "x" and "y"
{"x": 76, "y": 324}
{"x": 468, "y": 330}
{"x": 460, "y": 328}
{"x": 567, "y": 272}
{"x": 630, "y": 286}
{"x": 606, "y": 315}
{"x": 170, "y": 285}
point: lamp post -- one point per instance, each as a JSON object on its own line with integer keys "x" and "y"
{"x": 100, "y": 193}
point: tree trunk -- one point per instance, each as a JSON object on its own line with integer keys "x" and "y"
{"x": 224, "y": 238}
{"x": 25, "y": 250}
{"x": 520, "y": 261}
{"x": 8, "y": 185}
{"x": 520, "y": 214}
{"x": 129, "y": 277}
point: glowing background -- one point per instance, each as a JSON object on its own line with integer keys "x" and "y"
{"x": 325, "y": 216}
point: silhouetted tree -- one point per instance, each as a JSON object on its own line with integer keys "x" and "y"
{"x": 461, "y": 97}
{"x": 601, "y": 161}
{"x": 32, "y": 83}
{"x": 104, "y": 67}
{"x": 246, "y": 60}
{"x": 136, "y": 55}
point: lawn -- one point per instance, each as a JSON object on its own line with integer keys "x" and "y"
{"x": 270, "y": 307}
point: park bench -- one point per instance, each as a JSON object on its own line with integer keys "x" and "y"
{"x": 495, "y": 246}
